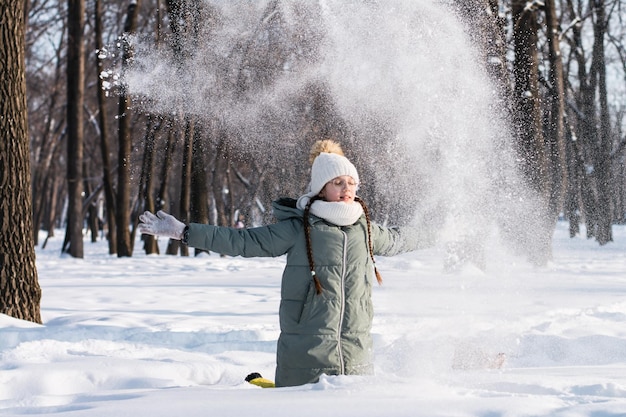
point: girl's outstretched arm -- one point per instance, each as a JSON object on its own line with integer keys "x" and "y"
{"x": 272, "y": 240}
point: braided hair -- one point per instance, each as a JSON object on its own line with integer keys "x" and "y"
{"x": 369, "y": 238}
{"x": 309, "y": 249}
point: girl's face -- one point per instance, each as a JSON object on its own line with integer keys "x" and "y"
{"x": 340, "y": 189}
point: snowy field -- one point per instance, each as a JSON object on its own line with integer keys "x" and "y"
{"x": 171, "y": 336}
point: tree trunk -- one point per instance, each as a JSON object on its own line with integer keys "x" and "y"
{"x": 44, "y": 185}
{"x": 604, "y": 143}
{"x": 75, "y": 97}
{"x": 51, "y": 211}
{"x": 199, "y": 210}
{"x": 163, "y": 200}
{"x": 556, "y": 127}
{"x": 124, "y": 244}
{"x": 185, "y": 192}
{"x": 147, "y": 180}
{"x": 486, "y": 28}
{"x": 185, "y": 187}
{"x": 90, "y": 209}
{"x": 220, "y": 167}
{"x": 528, "y": 124}
{"x": 48, "y": 153}
{"x": 199, "y": 180}
{"x": 585, "y": 127}
{"x": 20, "y": 294}
{"x": 575, "y": 175}
{"x": 185, "y": 25}
{"x": 528, "y": 113}
{"x": 109, "y": 193}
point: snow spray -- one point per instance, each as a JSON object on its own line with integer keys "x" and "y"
{"x": 408, "y": 65}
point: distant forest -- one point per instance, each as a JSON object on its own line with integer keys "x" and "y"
{"x": 100, "y": 155}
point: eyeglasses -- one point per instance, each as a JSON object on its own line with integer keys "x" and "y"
{"x": 341, "y": 184}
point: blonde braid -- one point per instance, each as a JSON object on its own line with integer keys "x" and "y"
{"x": 369, "y": 238}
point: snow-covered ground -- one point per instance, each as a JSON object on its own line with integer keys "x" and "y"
{"x": 171, "y": 336}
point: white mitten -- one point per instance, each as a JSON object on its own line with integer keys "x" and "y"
{"x": 162, "y": 224}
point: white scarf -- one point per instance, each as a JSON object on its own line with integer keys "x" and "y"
{"x": 339, "y": 213}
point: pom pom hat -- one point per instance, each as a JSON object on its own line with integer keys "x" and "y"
{"x": 328, "y": 163}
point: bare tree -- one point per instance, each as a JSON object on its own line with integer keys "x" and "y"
{"x": 147, "y": 176}
{"x": 220, "y": 165}
{"x": 75, "y": 97}
{"x": 185, "y": 189}
{"x": 47, "y": 129}
{"x": 591, "y": 156}
{"x": 124, "y": 242}
{"x": 199, "y": 208}
{"x": 528, "y": 115}
{"x": 20, "y": 293}
{"x": 604, "y": 143}
{"x": 185, "y": 18}
{"x": 555, "y": 130}
{"x": 109, "y": 192}
{"x": 528, "y": 120}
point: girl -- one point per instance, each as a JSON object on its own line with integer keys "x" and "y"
{"x": 326, "y": 293}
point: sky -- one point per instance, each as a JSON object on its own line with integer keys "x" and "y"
{"x": 165, "y": 335}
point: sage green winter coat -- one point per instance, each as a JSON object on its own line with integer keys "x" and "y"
{"x": 327, "y": 333}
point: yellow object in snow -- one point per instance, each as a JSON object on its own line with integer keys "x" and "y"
{"x": 256, "y": 379}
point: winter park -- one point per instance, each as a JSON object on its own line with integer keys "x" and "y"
{"x": 403, "y": 208}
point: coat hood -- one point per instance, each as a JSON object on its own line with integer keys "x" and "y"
{"x": 285, "y": 208}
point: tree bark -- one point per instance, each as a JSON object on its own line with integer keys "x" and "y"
{"x": 75, "y": 97}
{"x": 109, "y": 192}
{"x": 220, "y": 166}
{"x": 585, "y": 125}
{"x": 184, "y": 24}
{"x": 124, "y": 244}
{"x": 46, "y": 155}
{"x": 199, "y": 210}
{"x": 604, "y": 143}
{"x": 90, "y": 209}
{"x": 185, "y": 192}
{"x": 528, "y": 113}
{"x": 147, "y": 179}
{"x": 170, "y": 148}
{"x": 528, "y": 124}
{"x": 556, "y": 128}
{"x": 185, "y": 187}
{"x": 20, "y": 293}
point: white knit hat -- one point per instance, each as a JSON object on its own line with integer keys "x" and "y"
{"x": 328, "y": 163}
{"x": 328, "y": 166}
